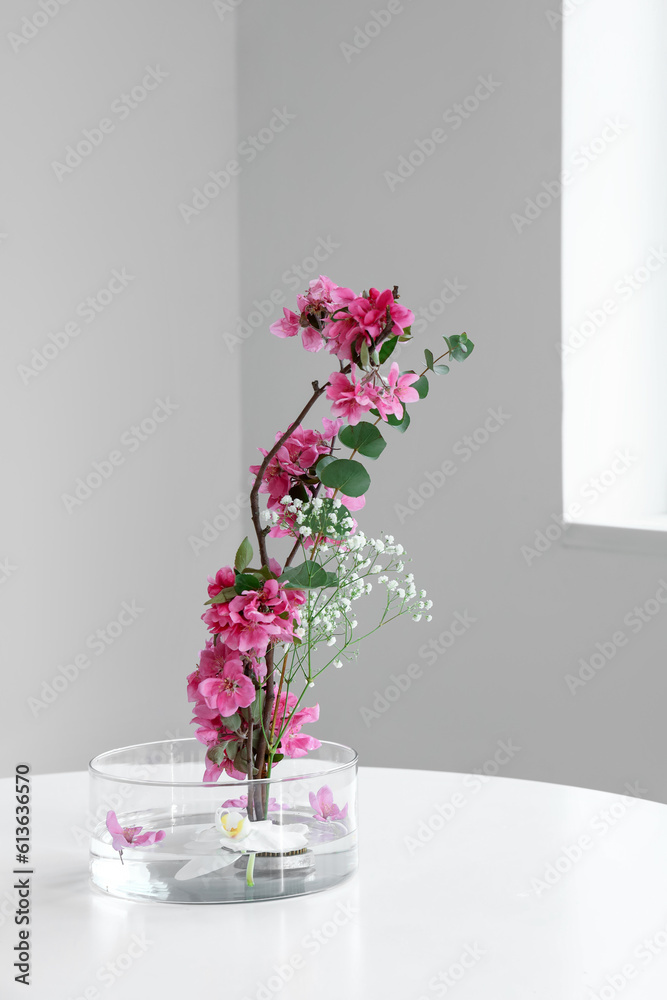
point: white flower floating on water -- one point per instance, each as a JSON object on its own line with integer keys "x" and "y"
{"x": 232, "y": 835}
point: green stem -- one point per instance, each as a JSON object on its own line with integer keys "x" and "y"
{"x": 250, "y": 870}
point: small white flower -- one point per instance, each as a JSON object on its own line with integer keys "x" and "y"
{"x": 312, "y": 684}
{"x": 338, "y": 664}
{"x": 390, "y": 539}
{"x": 299, "y": 632}
{"x": 400, "y": 592}
{"x": 377, "y": 544}
{"x": 305, "y": 530}
{"x": 429, "y": 618}
{"x": 382, "y": 579}
{"x": 286, "y": 499}
{"x": 354, "y": 623}
{"x": 392, "y": 585}
{"x": 331, "y": 641}
{"x": 428, "y": 605}
{"x": 422, "y": 593}
{"x": 337, "y": 503}
{"x": 317, "y": 503}
{"x": 376, "y": 569}
{"x": 416, "y": 618}
{"x": 409, "y": 577}
{"x": 400, "y": 566}
{"x": 399, "y": 550}
{"x": 266, "y": 515}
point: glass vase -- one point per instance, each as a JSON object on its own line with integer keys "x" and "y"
{"x": 161, "y": 833}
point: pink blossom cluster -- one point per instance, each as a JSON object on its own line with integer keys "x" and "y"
{"x": 352, "y": 399}
{"x": 294, "y": 459}
{"x": 251, "y": 621}
{"x": 218, "y": 687}
{"x": 342, "y": 321}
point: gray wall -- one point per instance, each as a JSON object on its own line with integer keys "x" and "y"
{"x": 73, "y": 564}
{"x": 356, "y": 114}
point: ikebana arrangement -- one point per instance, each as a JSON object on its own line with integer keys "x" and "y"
{"x": 275, "y": 628}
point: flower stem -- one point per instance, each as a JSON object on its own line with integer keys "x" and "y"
{"x": 250, "y": 870}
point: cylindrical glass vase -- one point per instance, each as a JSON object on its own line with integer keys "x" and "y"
{"x": 161, "y": 833}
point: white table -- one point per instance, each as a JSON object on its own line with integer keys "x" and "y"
{"x": 516, "y": 890}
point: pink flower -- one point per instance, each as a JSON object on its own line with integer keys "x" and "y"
{"x": 213, "y": 771}
{"x": 350, "y": 399}
{"x": 294, "y": 460}
{"x": 130, "y": 836}
{"x": 223, "y": 578}
{"x": 288, "y": 326}
{"x": 399, "y": 391}
{"x": 231, "y": 690}
{"x": 256, "y": 618}
{"x": 359, "y": 319}
{"x": 324, "y": 807}
{"x": 242, "y": 803}
{"x": 294, "y": 743}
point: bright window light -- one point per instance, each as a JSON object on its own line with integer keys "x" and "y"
{"x": 614, "y": 347}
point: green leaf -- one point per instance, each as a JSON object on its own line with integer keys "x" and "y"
{"x": 428, "y": 357}
{"x": 387, "y": 349}
{"x": 421, "y": 385}
{"x": 243, "y": 556}
{"x": 402, "y": 424}
{"x": 459, "y": 346}
{"x": 246, "y": 582}
{"x": 232, "y": 722}
{"x": 346, "y": 475}
{"x": 332, "y": 580}
{"x": 365, "y": 355}
{"x": 365, "y": 437}
{"x": 277, "y": 757}
{"x": 226, "y": 594}
{"x": 307, "y": 575}
{"x": 441, "y": 369}
{"x": 322, "y": 464}
{"x": 216, "y": 754}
